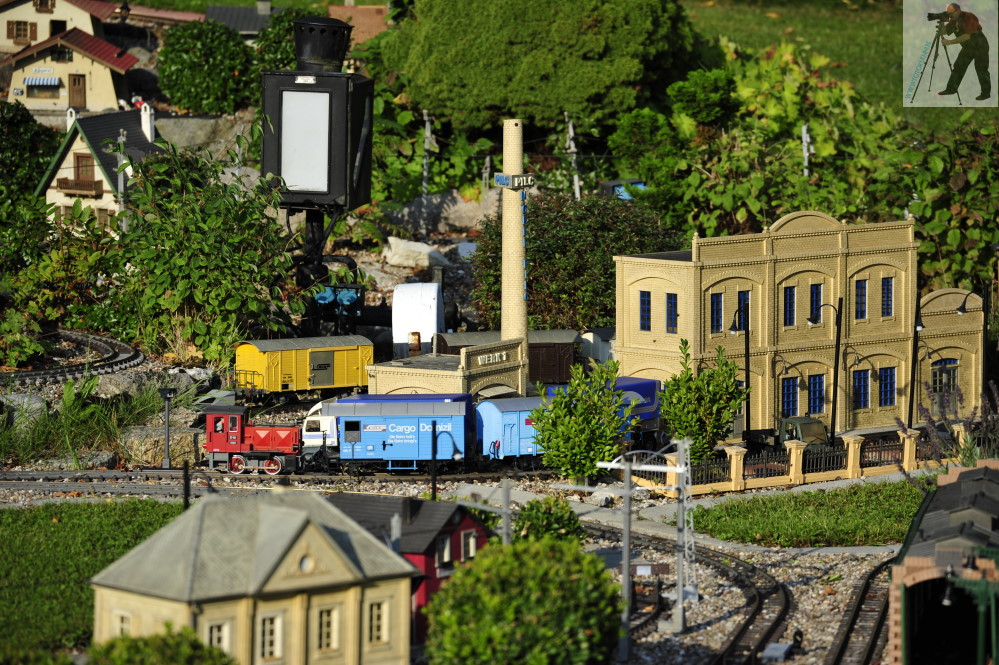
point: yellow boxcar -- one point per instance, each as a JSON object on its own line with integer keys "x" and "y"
{"x": 302, "y": 364}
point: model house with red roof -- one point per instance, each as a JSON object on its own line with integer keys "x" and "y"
{"x": 72, "y": 69}
{"x": 434, "y": 536}
{"x": 28, "y": 22}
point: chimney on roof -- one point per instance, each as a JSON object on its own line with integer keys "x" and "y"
{"x": 70, "y": 117}
{"x": 264, "y": 7}
{"x": 148, "y": 122}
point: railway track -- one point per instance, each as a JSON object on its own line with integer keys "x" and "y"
{"x": 768, "y": 602}
{"x": 861, "y": 634}
{"x": 113, "y": 356}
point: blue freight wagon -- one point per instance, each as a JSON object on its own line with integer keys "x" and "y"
{"x": 398, "y": 435}
{"x": 504, "y": 428}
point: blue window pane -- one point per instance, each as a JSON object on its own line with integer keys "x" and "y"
{"x": 789, "y": 296}
{"x": 716, "y": 312}
{"x": 645, "y": 310}
{"x": 860, "y": 307}
{"x": 887, "y": 296}
{"x": 861, "y": 389}
{"x": 740, "y": 323}
{"x": 789, "y": 396}
{"x": 886, "y": 389}
{"x": 817, "y": 393}
{"x": 671, "y": 313}
{"x": 815, "y": 303}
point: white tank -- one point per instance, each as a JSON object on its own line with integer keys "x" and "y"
{"x": 416, "y": 308}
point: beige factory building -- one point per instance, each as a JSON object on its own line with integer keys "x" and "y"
{"x": 802, "y": 265}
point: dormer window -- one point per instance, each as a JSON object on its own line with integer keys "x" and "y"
{"x": 44, "y": 6}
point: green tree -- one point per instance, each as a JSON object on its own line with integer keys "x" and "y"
{"x": 570, "y": 248}
{"x": 26, "y": 147}
{"x": 216, "y": 263}
{"x": 534, "y": 60}
{"x": 550, "y": 517}
{"x": 505, "y": 608}
{"x": 583, "y": 423}
{"x": 170, "y": 648}
{"x": 701, "y": 406}
{"x": 192, "y": 49}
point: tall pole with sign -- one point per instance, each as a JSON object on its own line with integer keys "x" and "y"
{"x": 513, "y": 180}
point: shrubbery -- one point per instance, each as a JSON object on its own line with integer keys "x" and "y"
{"x": 549, "y": 517}
{"x": 534, "y": 601}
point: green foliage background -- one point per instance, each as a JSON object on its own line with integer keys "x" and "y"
{"x": 504, "y": 608}
{"x": 570, "y": 251}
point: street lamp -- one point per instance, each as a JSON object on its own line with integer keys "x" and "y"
{"x": 743, "y": 314}
{"x": 456, "y": 456}
{"x": 812, "y": 320}
{"x": 917, "y": 326}
{"x": 167, "y": 394}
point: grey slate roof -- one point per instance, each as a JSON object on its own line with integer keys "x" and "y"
{"x": 957, "y": 516}
{"x": 421, "y": 520}
{"x": 244, "y": 20}
{"x": 230, "y": 547}
{"x": 296, "y": 343}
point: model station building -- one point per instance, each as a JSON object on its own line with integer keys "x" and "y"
{"x": 806, "y": 264}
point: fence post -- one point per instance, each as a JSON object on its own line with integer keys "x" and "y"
{"x": 796, "y": 462}
{"x": 853, "y": 444}
{"x": 736, "y": 466}
{"x": 671, "y": 479}
{"x": 909, "y": 438}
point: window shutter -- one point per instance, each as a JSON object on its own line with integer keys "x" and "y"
{"x": 10, "y": 30}
{"x": 33, "y": 31}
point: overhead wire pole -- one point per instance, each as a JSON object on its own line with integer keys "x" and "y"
{"x": 627, "y": 467}
{"x": 570, "y": 143}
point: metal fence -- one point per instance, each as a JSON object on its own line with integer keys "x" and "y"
{"x": 767, "y": 464}
{"x": 710, "y": 471}
{"x": 881, "y": 453}
{"x": 818, "y": 461}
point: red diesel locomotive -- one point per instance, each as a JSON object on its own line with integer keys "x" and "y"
{"x": 234, "y": 443}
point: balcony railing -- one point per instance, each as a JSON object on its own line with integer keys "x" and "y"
{"x": 93, "y": 188}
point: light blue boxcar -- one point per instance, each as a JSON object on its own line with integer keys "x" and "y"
{"x": 505, "y": 429}
{"x": 399, "y": 434}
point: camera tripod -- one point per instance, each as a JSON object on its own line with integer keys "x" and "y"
{"x": 935, "y": 48}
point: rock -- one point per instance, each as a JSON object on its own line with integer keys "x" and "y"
{"x": 446, "y": 212}
{"x": 144, "y": 445}
{"x": 410, "y": 254}
{"x": 22, "y": 409}
{"x": 93, "y": 459}
{"x": 197, "y": 374}
{"x": 600, "y": 499}
{"x": 131, "y": 383}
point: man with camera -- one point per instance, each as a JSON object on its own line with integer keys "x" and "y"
{"x": 968, "y": 33}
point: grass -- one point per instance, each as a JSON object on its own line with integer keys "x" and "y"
{"x": 47, "y": 554}
{"x": 80, "y": 422}
{"x": 866, "y": 44}
{"x": 863, "y": 514}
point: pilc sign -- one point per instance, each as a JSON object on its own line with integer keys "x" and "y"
{"x": 514, "y": 181}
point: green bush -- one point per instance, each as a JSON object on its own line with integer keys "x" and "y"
{"x": 192, "y": 49}
{"x": 26, "y": 147}
{"x": 550, "y": 517}
{"x": 48, "y": 552}
{"x": 170, "y": 648}
{"x": 583, "y": 423}
{"x": 534, "y": 601}
{"x": 570, "y": 250}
